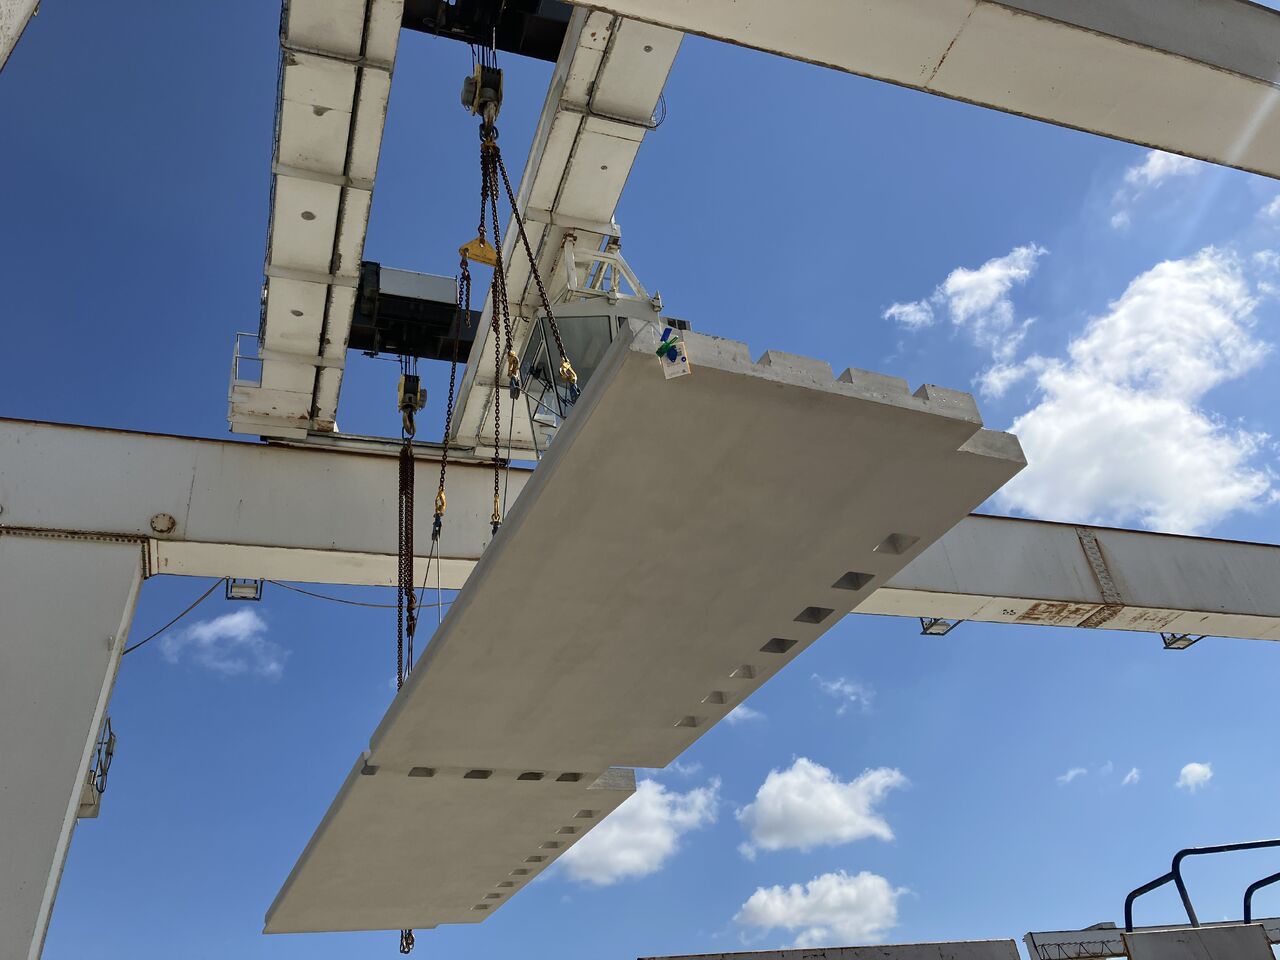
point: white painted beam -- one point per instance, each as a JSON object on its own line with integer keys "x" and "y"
{"x": 1001, "y": 570}
{"x": 1195, "y": 77}
{"x": 239, "y": 508}
{"x": 335, "y": 79}
{"x": 321, "y": 515}
{"x": 66, "y": 609}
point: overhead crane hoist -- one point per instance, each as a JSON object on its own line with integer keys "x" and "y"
{"x": 499, "y": 752}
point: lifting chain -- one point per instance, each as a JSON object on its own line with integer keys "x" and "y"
{"x": 406, "y": 608}
{"x": 494, "y": 181}
{"x": 462, "y": 313}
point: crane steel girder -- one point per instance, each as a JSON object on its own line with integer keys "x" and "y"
{"x": 336, "y": 60}
{"x": 1195, "y": 77}
{"x": 317, "y": 513}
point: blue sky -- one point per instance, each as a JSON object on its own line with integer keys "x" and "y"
{"x": 925, "y": 785}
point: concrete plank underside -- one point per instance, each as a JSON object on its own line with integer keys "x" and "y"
{"x": 676, "y": 533}
{"x": 400, "y": 851}
{"x": 1206, "y": 943}
{"x": 680, "y": 542}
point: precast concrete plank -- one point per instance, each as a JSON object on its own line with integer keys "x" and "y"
{"x": 410, "y": 849}
{"x": 949, "y": 950}
{"x": 680, "y": 542}
{"x": 1238, "y": 942}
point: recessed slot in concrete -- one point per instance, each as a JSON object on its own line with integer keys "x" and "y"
{"x": 521, "y": 872}
{"x": 715, "y": 696}
{"x": 813, "y": 614}
{"x": 584, "y": 815}
{"x": 549, "y": 845}
{"x": 744, "y": 672}
{"x": 853, "y": 581}
{"x": 368, "y": 770}
{"x": 507, "y": 883}
{"x": 422, "y": 772}
{"x": 897, "y": 544}
{"x": 481, "y": 906}
{"x": 477, "y": 775}
{"x": 778, "y": 645}
{"x": 563, "y": 831}
{"x": 688, "y": 722}
{"x": 493, "y": 896}
{"x": 531, "y": 775}
{"x": 569, "y": 778}
{"x": 534, "y": 859}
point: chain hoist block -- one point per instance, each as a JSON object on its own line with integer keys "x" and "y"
{"x": 411, "y": 396}
{"x": 482, "y": 93}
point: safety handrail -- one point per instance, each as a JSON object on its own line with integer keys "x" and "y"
{"x": 1254, "y": 888}
{"x": 1175, "y": 874}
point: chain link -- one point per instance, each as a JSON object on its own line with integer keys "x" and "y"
{"x": 500, "y": 318}
{"x": 566, "y": 368}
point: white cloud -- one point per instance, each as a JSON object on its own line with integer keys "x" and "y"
{"x": 849, "y": 694}
{"x": 1072, "y": 774}
{"x": 1106, "y": 769}
{"x": 1132, "y": 777}
{"x": 913, "y": 316}
{"x": 231, "y": 645}
{"x": 1119, "y": 436}
{"x": 1272, "y": 210}
{"x": 684, "y": 769}
{"x": 831, "y": 909}
{"x": 742, "y": 713}
{"x": 1194, "y": 776}
{"x": 1156, "y": 168}
{"x": 978, "y": 301}
{"x": 640, "y": 836}
{"x": 807, "y": 806}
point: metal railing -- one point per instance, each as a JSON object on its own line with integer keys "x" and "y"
{"x": 240, "y": 357}
{"x": 1175, "y": 875}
